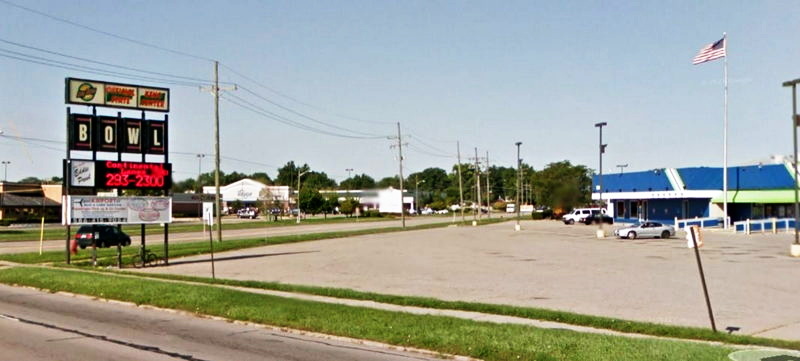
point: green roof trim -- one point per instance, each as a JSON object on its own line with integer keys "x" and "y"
{"x": 758, "y": 196}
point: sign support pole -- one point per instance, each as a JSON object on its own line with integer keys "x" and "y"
{"x": 166, "y": 191}
{"x": 67, "y": 178}
{"x": 702, "y": 278}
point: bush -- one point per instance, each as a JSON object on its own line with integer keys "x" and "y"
{"x": 372, "y": 213}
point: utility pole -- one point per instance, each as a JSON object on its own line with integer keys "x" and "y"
{"x": 299, "y": 174}
{"x": 488, "y": 189}
{"x": 460, "y": 187}
{"x": 477, "y": 183}
{"x": 519, "y": 176}
{"x": 217, "y": 199}
{"x": 794, "y": 249}
{"x": 400, "y": 157}
{"x": 200, "y": 189}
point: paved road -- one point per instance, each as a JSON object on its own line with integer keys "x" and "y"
{"x": 42, "y": 326}
{"x": 33, "y": 246}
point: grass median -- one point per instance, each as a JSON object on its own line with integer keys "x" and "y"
{"x": 108, "y": 256}
{"x": 608, "y": 323}
{"x": 449, "y": 335}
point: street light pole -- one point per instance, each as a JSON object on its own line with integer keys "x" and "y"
{"x": 621, "y": 167}
{"x": 602, "y": 150}
{"x": 416, "y": 192}
{"x": 5, "y": 169}
{"x": 299, "y": 174}
{"x": 795, "y": 247}
{"x": 519, "y": 172}
{"x": 349, "y": 180}
{"x": 199, "y": 191}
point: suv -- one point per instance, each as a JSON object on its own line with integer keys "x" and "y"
{"x": 580, "y": 214}
{"x": 102, "y": 235}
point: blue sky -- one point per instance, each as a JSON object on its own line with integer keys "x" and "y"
{"x": 487, "y": 74}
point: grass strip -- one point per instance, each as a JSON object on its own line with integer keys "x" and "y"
{"x": 58, "y": 233}
{"x": 626, "y": 326}
{"x": 107, "y": 256}
{"x": 450, "y": 335}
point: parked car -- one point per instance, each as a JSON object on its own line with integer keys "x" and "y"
{"x": 598, "y": 218}
{"x": 579, "y": 214}
{"x": 646, "y": 229}
{"x": 248, "y": 212}
{"x": 102, "y": 235}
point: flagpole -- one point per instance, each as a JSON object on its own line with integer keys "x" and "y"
{"x": 725, "y": 135}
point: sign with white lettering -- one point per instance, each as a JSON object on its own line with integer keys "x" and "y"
{"x": 117, "y": 210}
{"x": 107, "y": 134}
{"x": 98, "y": 93}
{"x": 80, "y": 128}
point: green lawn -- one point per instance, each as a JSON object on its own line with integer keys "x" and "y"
{"x": 107, "y": 256}
{"x": 59, "y": 233}
{"x": 483, "y": 340}
{"x": 627, "y": 326}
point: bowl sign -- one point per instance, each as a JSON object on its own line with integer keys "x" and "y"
{"x": 105, "y": 94}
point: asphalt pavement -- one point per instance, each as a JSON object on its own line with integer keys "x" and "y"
{"x": 36, "y": 325}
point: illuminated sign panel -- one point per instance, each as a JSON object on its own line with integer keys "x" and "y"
{"x": 98, "y": 93}
{"x": 132, "y": 175}
{"x": 123, "y": 175}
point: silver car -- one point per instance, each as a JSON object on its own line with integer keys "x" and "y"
{"x": 646, "y": 229}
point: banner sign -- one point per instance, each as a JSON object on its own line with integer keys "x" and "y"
{"x": 116, "y": 210}
{"x": 98, "y": 93}
{"x": 123, "y": 175}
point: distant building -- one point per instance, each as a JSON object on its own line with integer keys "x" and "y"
{"x": 250, "y": 193}
{"x": 21, "y": 202}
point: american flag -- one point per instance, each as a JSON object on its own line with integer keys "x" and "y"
{"x": 710, "y": 52}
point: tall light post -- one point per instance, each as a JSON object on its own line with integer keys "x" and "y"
{"x": 349, "y": 180}
{"x": 519, "y": 175}
{"x": 5, "y": 169}
{"x": 416, "y": 191}
{"x": 299, "y": 174}
{"x": 795, "y": 247}
{"x": 621, "y": 167}
{"x": 200, "y": 188}
{"x": 602, "y": 149}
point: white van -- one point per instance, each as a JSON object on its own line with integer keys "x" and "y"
{"x": 579, "y": 214}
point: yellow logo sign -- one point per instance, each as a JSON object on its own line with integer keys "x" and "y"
{"x": 86, "y": 92}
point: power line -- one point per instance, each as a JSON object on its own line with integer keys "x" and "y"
{"x": 102, "y": 63}
{"x": 265, "y": 113}
{"x": 419, "y": 150}
{"x": 120, "y": 37}
{"x": 69, "y": 66}
{"x": 284, "y": 95}
{"x": 303, "y": 115}
{"x": 438, "y": 150}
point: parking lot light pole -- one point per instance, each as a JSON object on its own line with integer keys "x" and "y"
{"x": 602, "y": 149}
{"x": 519, "y": 174}
{"x": 795, "y": 247}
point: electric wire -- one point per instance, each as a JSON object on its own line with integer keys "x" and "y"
{"x": 265, "y": 113}
{"x": 120, "y": 37}
{"x": 298, "y": 101}
{"x": 303, "y": 115}
{"x": 52, "y": 52}
{"x": 75, "y": 67}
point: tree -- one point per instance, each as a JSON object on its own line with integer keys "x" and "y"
{"x": 311, "y": 201}
{"x": 330, "y": 204}
{"x": 562, "y": 186}
{"x": 387, "y": 182}
{"x": 348, "y": 206}
{"x": 433, "y": 183}
{"x": 287, "y": 175}
{"x": 261, "y": 177}
{"x": 317, "y": 180}
{"x": 362, "y": 181}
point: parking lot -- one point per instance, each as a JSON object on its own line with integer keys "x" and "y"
{"x": 752, "y": 281}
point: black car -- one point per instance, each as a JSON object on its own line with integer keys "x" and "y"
{"x": 102, "y": 235}
{"x": 598, "y": 218}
